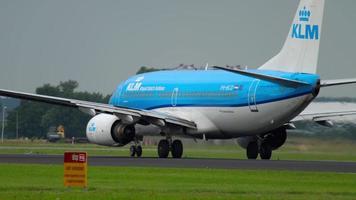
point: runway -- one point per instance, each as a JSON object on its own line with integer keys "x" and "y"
{"x": 321, "y": 166}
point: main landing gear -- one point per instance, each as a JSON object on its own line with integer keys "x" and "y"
{"x": 252, "y": 150}
{"x": 166, "y": 146}
{"x": 265, "y": 144}
{"x": 264, "y": 149}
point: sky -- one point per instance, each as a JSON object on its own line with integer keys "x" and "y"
{"x": 101, "y": 43}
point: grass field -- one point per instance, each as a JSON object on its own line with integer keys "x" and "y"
{"x": 45, "y": 182}
{"x": 294, "y": 149}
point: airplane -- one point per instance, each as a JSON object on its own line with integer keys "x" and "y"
{"x": 256, "y": 106}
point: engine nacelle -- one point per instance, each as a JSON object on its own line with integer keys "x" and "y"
{"x": 275, "y": 139}
{"x": 244, "y": 141}
{"x": 108, "y": 130}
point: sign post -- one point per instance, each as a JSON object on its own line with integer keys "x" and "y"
{"x": 75, "y": 169}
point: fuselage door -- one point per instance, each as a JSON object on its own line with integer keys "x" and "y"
{"x": 174, "y": 97}
{"x": 252, "y": 95}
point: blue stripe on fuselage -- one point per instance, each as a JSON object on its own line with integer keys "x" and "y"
{"x": 210, "y": 88}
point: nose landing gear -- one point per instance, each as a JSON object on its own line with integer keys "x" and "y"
{"x": 136, "y": 150}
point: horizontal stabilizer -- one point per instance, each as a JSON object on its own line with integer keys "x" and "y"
{"x": 327, "y": 83}
{"x": 279, "y": 80}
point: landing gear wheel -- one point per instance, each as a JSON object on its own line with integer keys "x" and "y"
{"x": 132, "y": 151}
{"x": 177, "y": 149}
{"x": 138, "y": 151}
{"x": 265, "y": 151}
{"x": 163, "y": 149}
{"x": 252, "y": 150}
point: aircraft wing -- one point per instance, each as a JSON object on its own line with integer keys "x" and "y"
{"x": 92, "y": 108}
{"x": 323, "y": 115}
{"x": 322, "y": 112}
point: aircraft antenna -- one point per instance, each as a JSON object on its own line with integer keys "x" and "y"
{"x": 206, "y": 66}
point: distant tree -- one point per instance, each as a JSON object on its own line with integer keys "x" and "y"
{"x": 30, "y": 114}
{"x": 35, "y": 118}
{"x": 68, "y": 87}
{"x": 48, "y": 89}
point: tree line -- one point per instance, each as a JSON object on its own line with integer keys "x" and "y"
{"x": 35, "y": 118}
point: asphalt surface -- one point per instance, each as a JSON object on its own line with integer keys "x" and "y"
{"x": 321, "y": 166}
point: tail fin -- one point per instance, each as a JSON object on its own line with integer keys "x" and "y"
{"x": 301, "y": 49}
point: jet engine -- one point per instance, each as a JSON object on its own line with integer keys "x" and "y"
{"x": 244, "y": 141}
{"x": 275, "y": 139}
{"x": 108, "y": 130}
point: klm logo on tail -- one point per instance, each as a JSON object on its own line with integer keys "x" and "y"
{"x": 304, "y": 30}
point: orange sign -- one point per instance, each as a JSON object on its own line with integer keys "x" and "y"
{"x": 75, "y": 169}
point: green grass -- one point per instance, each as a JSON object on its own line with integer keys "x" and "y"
{"x": 46, "y": 182}
{"x": 294, "y": 149}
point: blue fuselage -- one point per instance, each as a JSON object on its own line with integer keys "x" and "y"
{"x": 206, "y": 88}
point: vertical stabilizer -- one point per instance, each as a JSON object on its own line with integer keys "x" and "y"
{"x": 301, "y": 49}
